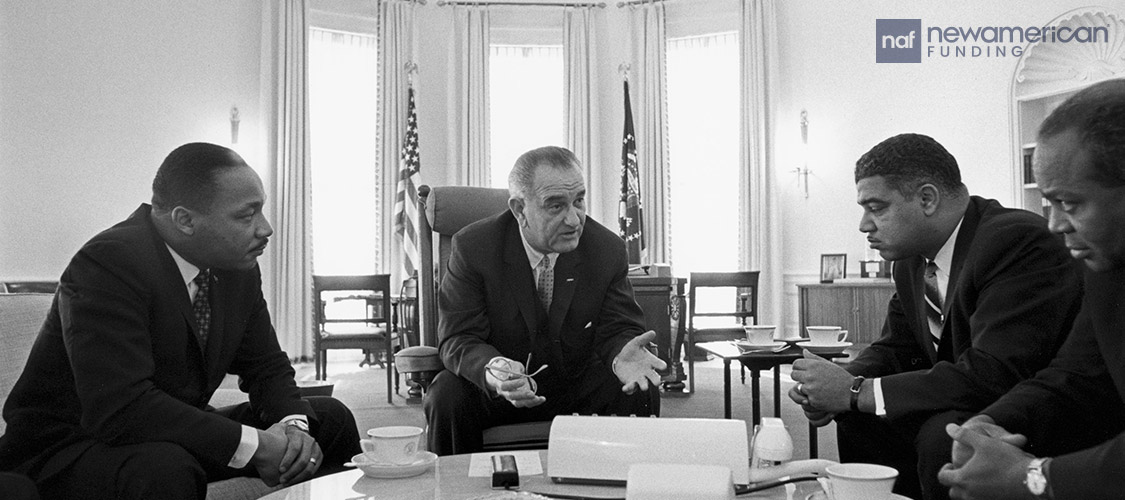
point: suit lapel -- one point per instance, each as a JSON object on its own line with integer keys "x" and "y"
{"x": 517, "y": 272}
{"x": 565, "y": 281}
{"x": 961, "y": 249}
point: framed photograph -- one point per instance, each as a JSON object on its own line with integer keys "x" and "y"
{"x": 833, "y": 266}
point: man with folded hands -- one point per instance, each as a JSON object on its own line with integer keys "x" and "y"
{"x": 536, "y": 316}
{"x": 1061, "y": 435}
{"x": 984, "y": 297}
{"x": 149, "y": 317}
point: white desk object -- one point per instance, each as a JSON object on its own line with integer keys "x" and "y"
{"x": 600, "y": 450}
{"x": 675, "y": 482}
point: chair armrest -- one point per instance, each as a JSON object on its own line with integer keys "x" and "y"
{"x": 421, "y": 358}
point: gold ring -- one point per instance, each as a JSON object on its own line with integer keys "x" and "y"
{"x": 312, "y": 460}
{"x": 800, "y": 387}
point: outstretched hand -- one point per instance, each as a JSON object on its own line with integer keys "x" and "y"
{"x": 635, "y": 366}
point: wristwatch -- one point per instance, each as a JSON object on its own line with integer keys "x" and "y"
{"x": 299, "y": 424}
{"x": 1036, "y": 481}
{"x": 857, "y": 384}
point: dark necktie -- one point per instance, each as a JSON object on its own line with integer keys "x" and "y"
{"x": 933, "y": 302}
{"x": 201, "y": 305}
{"x": 546, "y": 284}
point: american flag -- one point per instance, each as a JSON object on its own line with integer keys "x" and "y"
{"x": 406, "y": 210}
{"x": 630, "y": 211}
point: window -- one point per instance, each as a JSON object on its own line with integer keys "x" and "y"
{"x": 527, "y": 102}
{"x": 346, "y": 199}
{"x": 703, "y": 155}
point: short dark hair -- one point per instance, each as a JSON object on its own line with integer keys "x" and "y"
{"x": 907, "y": 161}
{"x": 523, "y": 172}
{"x": 187, "y": 176}
{"x": 1097, "y": 115}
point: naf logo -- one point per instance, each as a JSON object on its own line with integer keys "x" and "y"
{"x": 898, "y": 40}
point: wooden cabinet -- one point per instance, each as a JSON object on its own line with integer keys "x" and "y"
{"x": 661, "y": 299}
{"x": 859, "y": 308}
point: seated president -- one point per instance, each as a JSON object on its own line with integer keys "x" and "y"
{"x": 537, "y": 290}
{"x": 149, "y": 317}
{"x": 984, "y": 296}
{"x": 1061, "y": 435}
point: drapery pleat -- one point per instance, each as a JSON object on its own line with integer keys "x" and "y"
{"x": 651, "y": 106}
{"x": 578, "y": 64}
{"x": 469, "y": 145}
{"x": 761, "y": 234}
{"x": 396, "y": 45}
{"x": 290, "y": 261}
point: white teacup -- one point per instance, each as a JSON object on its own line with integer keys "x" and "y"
{"x": 392, "y": 445}
{"x": 859, "y": 481}
{"x": 826, "y": 335}
{"x": 759, "y": 334}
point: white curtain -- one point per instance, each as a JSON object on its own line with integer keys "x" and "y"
{"x": 289, "y": 269}
{"x": 396, "y": 42}
{"x": 578, "y": 64}
{"x": 651, "y": 118}
{"x": 468, "y": 80}
{"x": 760, "y": 235}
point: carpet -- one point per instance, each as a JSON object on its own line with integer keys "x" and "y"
{"x": 363, "y": 389}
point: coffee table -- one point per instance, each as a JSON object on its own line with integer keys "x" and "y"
{"x": 449, "y": 479}
{"x": 755, "y": 361}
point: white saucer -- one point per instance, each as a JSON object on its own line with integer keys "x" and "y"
{"x": 747, "y": 345}
{"x": 820, "y": 495}
{"x": 793, "y": 340}
{"x": 423, "y": 461}
{"x": 837, "y": 347}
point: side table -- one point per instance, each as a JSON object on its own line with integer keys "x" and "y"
{"x": 755, "y": 361}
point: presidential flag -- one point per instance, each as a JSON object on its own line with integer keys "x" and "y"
{"x": 630, "y": 211}
{"x": 406, "y": 206}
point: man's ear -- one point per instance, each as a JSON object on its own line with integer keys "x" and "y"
{"x": 184, "y": 220}
{"x": 930, "y": 197}
{"x": 516, "y": 205}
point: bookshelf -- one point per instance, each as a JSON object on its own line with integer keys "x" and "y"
{"x": 1045, "y": 76}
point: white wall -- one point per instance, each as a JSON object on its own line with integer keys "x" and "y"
{"x": 93, "y": 95}
{"x": 828, "y": 68}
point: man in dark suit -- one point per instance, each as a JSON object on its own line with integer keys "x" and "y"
{"x": 984, "y": 297}
{"x": 149, "y": 317}
{"x": 1074, "y": 410}
{"x": 536, "y": 317}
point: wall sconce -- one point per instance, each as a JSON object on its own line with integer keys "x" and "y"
{"x": 803, "y": 170}
{"x": 234, "y": 124}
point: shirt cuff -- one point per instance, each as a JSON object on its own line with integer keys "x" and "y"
{"x": 247, "y": 446}
{"x": 248, "y": 443}
{"x": 880, "y": 404}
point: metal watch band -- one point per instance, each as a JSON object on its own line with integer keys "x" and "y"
{"x": 298, "y": 423}
{"x": 1036, "y": 480}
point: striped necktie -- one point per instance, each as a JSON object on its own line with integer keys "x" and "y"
{"x": 201, "y": 305}
{"x": 546, "y": 282}
{"x": 933, "y": 303}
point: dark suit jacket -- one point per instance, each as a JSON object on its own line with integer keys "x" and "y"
{"x": 487, "y": 305}
{"x": 1078, "y": 402}
{"x": 1013, "y": 292}
{"x": 118, "y": 361}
